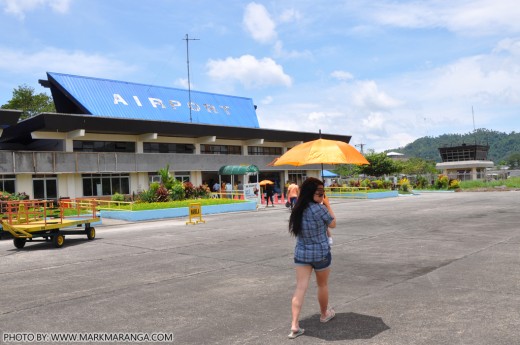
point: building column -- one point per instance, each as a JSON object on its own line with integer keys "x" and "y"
{"x": 138, "y": 182}
{"x": 69, "y": 145}
{"x": 196, "y": 178}
{"x": 23, "y": 184}
{"x": 473, "y": 174}
{"x": 138, "y": 146}
{"x": 67, "y": 185}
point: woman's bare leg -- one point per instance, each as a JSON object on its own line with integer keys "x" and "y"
{"x": 303, "y": 275}
{"x": 322, "y": 279}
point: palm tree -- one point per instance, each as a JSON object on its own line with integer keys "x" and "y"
{"x": 167, "y": 179}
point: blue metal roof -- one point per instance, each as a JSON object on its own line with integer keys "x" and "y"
{"x": 328, "y": 173}
{"x": 112, "y": 98}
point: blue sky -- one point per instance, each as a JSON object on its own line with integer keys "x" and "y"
{"x": 385, "y": 72}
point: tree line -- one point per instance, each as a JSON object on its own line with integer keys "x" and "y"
{"x": 382, "y": 165}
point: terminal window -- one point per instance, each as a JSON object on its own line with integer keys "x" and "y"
{"x": 168, "y": 148}
{"x": 105, "y": 184}
{"x": 7, "y": 183}
{"x": 103, "y": 146}
{"x": 264, "y": 151}
{"x": 220, "y": 149}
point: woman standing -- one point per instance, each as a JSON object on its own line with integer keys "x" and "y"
{"x": 309, "y": 221}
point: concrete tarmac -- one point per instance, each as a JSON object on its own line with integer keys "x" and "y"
{"x": 437, "y": 268}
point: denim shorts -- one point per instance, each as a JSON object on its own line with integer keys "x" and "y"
{"x": 317, "y": 265}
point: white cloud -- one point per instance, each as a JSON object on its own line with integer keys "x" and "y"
{"x": 492, "y": 77}
{"x": 440, "y": 100}
{"x": 360, "y": 109}
{"x": 389, "y": 112}
{"x": 249, "y": 71}
{"x": 289, "y": 15}
{"x": 374, "y": 121}
{"x": 476, "y": 77}
{"x": 60, "y": 6}
{"x": 342, "y": 75}
{"x": 367, "y": 95}
{"x": 317, "y": 116}
{"x": 266, "y": 100}
{"x": 280, "y": 52}
{"x": 480, "y": 17}
{"x": 380, "y": 143}
{"x": 52, "y": 59}
{"x": 262, "y": 27}
{"x": 508, "y": 45}
{"x": 18, "y": 8}
{"x": 259, "y": 24}
{"x": 182, "y": 83}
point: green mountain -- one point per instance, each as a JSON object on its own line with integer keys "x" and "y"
{"x": 501, "y": 145}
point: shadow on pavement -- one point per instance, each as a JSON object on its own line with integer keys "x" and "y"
{"x": 345, "y": 326}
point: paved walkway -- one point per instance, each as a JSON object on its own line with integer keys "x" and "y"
{"x": 430, "y": 269}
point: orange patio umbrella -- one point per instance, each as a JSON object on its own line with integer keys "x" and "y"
{"x": 321, "y": 151}
{"x": 265, "y": 182}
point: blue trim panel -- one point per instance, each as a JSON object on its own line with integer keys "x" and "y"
{"x": 135, "y": 216}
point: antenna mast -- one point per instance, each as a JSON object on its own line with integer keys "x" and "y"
{"x": 474, "y": 129}
{"x": 187, "y": 39}
{"x": 360, "y": 145}
{"x": 473, "y": 114}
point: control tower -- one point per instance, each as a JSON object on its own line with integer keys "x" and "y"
{"x": 464, "y": 162}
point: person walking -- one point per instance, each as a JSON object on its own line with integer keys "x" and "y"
{"x": 269, "y": 191}
{"x": 292, "y": 193}
{"x": 309, "y": 221}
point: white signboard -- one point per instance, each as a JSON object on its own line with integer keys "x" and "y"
{"x": 252, "y": 191}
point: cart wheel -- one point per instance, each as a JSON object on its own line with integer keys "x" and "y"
{"x": 19, "y": 242}
{"x": 58, "y": 240}
{"x": 91, "y": 233}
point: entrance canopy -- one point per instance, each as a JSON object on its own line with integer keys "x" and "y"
{"x": 238, "y": 169}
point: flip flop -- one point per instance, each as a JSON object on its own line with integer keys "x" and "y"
{"x": 330, "y": 314}
{"x": 296, "y": 334}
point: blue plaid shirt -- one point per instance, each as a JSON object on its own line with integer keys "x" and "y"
{"x": 312, "y": 244}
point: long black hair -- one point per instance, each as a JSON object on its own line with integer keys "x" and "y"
{"x": 307, "y": 190}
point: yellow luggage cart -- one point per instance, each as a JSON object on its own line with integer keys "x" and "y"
{"x": 31, "y": 219}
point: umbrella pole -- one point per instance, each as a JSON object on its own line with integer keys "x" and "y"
{"x": 322, "y": 177}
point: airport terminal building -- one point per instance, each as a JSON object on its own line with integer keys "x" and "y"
{"x": 111, "y": 136}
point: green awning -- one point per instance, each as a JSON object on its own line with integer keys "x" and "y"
{"x": 238, "y": 169}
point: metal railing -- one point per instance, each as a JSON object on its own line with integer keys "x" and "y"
{"x": 100, "y": 203}
{"x": 45, "y": 211}
{"x": 234, "y": 194}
